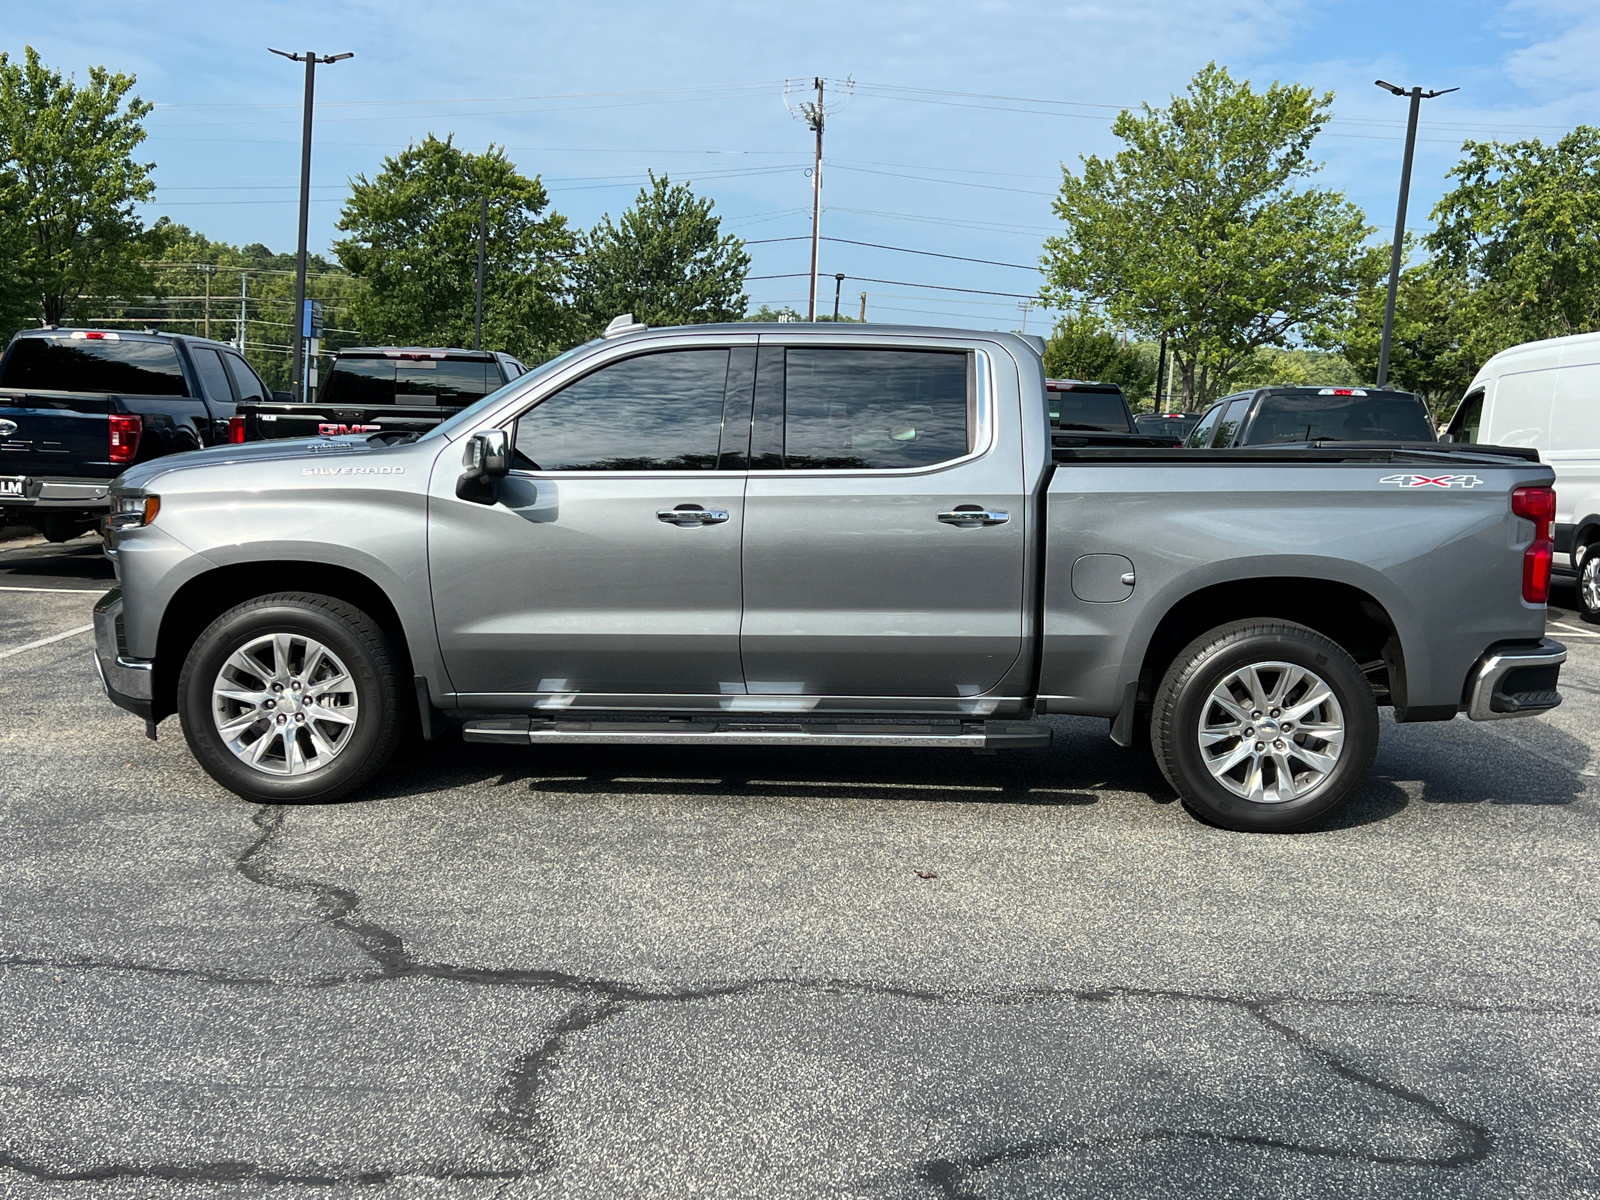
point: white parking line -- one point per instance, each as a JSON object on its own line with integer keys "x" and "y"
{"x": 1573, "y": 630}
{"x": 46, "y": 641}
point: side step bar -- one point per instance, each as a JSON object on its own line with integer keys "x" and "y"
{"x": 963, "y": 735}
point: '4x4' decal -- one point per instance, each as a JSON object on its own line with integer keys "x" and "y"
{"x": 1442, "y": 481}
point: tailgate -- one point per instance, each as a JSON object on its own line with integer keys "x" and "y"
{"x": 310, "y": 420}
{"x": 44, "y": 436}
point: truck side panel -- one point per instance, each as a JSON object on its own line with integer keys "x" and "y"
{"x": 1445, "y": 563}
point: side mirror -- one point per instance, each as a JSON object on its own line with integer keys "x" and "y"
{"x": 487, "y": 457}
{"x": 1447, "y": 436}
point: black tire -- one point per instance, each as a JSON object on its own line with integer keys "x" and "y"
{"x": 1186, "y": 697}
{"x": 1586, "y": 562}
{"x": 353, "y": 640}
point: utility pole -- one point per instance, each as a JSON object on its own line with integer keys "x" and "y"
{"x": 297, "y": 372}
{"x": 1417, "y": 97}
{"x": 1161, "y": 371}
{"x": 863, "y": 308}
{"x": 244, "y": 278}
{"x": 838, "y": 282}
{"x": 477, "y": 305}
{"x": 1025, "y": 306}
{"x": 815, "y": 117}
{"x": 208, "y": 271}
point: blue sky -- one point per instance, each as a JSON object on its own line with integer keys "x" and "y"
{"x": 925, "y": 155}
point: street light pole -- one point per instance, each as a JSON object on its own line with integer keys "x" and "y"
{"x": 1417, "y": 97}
{"x": 297, "y": 332}
{"x": 838, "y": 282}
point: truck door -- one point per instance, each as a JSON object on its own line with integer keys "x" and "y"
{"x": 884, "y": 526}
{"x": 609, "y": 564}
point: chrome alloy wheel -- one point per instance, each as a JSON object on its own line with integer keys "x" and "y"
{"x": 1271, "y": 732}
{"x": 1589, "y": 579}
{"x": 285, "y": 704}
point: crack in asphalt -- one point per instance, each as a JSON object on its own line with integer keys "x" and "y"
{"x": 517, "y": 1115}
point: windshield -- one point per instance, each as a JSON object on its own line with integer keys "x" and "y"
{"x": 468, "y": 417}
{"x": 1386, "y": 417}
{"x": 1101, "y": 411}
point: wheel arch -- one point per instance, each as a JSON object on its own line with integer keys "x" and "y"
{"x": 1347, "y": 614}
{"x": 202, "y": 599}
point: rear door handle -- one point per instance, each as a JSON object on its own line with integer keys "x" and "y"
{"x": 971, "y": 516}
{"x": 686, "y": 516}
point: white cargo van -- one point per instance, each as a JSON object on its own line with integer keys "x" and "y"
{"x": 1547, "y": 395}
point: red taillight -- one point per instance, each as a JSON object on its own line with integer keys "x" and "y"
{"x": 98, "y": 337}
{"x": 235, "y": 429}
{"x": 1537, "y": 504}
{"x": 125, "y": 433}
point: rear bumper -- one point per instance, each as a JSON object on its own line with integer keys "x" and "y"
{"x": 72, "y": 495}
{"x": 127, "y": 681}
{"x": 1516, "y": 680}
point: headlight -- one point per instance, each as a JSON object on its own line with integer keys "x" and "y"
{"x": 129, "y": 511}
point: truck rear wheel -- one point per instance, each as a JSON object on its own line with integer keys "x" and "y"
{"x": 291, "y": 698}
{"x": 1264, "y": 726}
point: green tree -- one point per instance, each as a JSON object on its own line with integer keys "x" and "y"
{"x": 68, "y": 187}
{"x": 1435, "y": 319}
{"x": 413, "y": 241}
{"x": 1083, "y": 347}
{"x": 1519, "y": 236}
{"x": 1202, "y": 228}
{"x": 665, "y": 260}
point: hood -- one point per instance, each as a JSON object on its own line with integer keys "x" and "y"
{"x": 142, "y": 475}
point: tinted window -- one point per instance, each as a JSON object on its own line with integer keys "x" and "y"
{"x": 873, "y": 408}
{"x": 657, "y": 412}
{"x": 1380, "y": 418}
{"x": 213, "y": 376}
{"x": 1232, "y": 418}
{"x": 1201, "y": 437}
{"x": 1175, "y": 427}
{"x": 1089, "y": 410}
{"x": 360, "y": 381}
{"x": 66, "y": 364}
{"x": 245, "y": 379}
{"x": 1464, "y": 426}
{"x": 450, "y": 381}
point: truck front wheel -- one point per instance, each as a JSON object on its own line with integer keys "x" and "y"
{"x": 291, "y": 698}
{"x": 1264, "y": 726}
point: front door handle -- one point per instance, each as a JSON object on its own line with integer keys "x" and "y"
{"x": 972, "y": 516}
{"x": 686, "y": 516}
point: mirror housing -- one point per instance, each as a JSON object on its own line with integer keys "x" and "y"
{"x": 486, "y": 458}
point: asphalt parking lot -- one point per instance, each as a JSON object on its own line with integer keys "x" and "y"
{"x": 592, "y": 972}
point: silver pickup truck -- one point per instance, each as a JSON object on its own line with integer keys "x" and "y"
{"x": 829, "y": 536}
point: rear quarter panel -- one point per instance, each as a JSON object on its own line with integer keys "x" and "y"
{"x": 1445, "y": 563}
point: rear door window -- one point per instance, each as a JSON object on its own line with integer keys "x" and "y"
{"x": 656, "y": 412}
{"x": 1099, "y": 411}
{"x": 245, "y": 380}
{"x": 847, "y": 409}
{"x": 1228, "y": 426}
{"x": 105, "y": 364}
{"x": 213, "y": 375}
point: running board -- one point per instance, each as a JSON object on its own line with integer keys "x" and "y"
{"x": 968, "y": 735}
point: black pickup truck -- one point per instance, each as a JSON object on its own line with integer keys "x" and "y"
{"x": 383, "y": 389}
{"x": 1085, "y": 414}
{"x": 79, "y": 406}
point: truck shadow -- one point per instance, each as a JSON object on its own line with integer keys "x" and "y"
{"x": 1433, "y": 765}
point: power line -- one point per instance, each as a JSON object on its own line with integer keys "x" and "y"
{"x": 941, "y": 287}
{"x": 902, "y": 249}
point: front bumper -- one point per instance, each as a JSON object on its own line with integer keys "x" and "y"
{"x": 127, "y": 681}
{"x": 1516, "y": 680}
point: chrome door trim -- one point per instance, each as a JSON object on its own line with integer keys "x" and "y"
{"x": 768, "y": 703}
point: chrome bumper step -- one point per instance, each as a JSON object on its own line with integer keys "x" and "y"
{"x": 955, "y": 735}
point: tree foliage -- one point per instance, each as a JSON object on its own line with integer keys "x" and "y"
{"x": 665, "y": 260}
{"x": 413, "y": 241}
{"x": 1201, "y": 228}
{"x": 68, "y": 186}
{"x": 1083, "y": 347}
